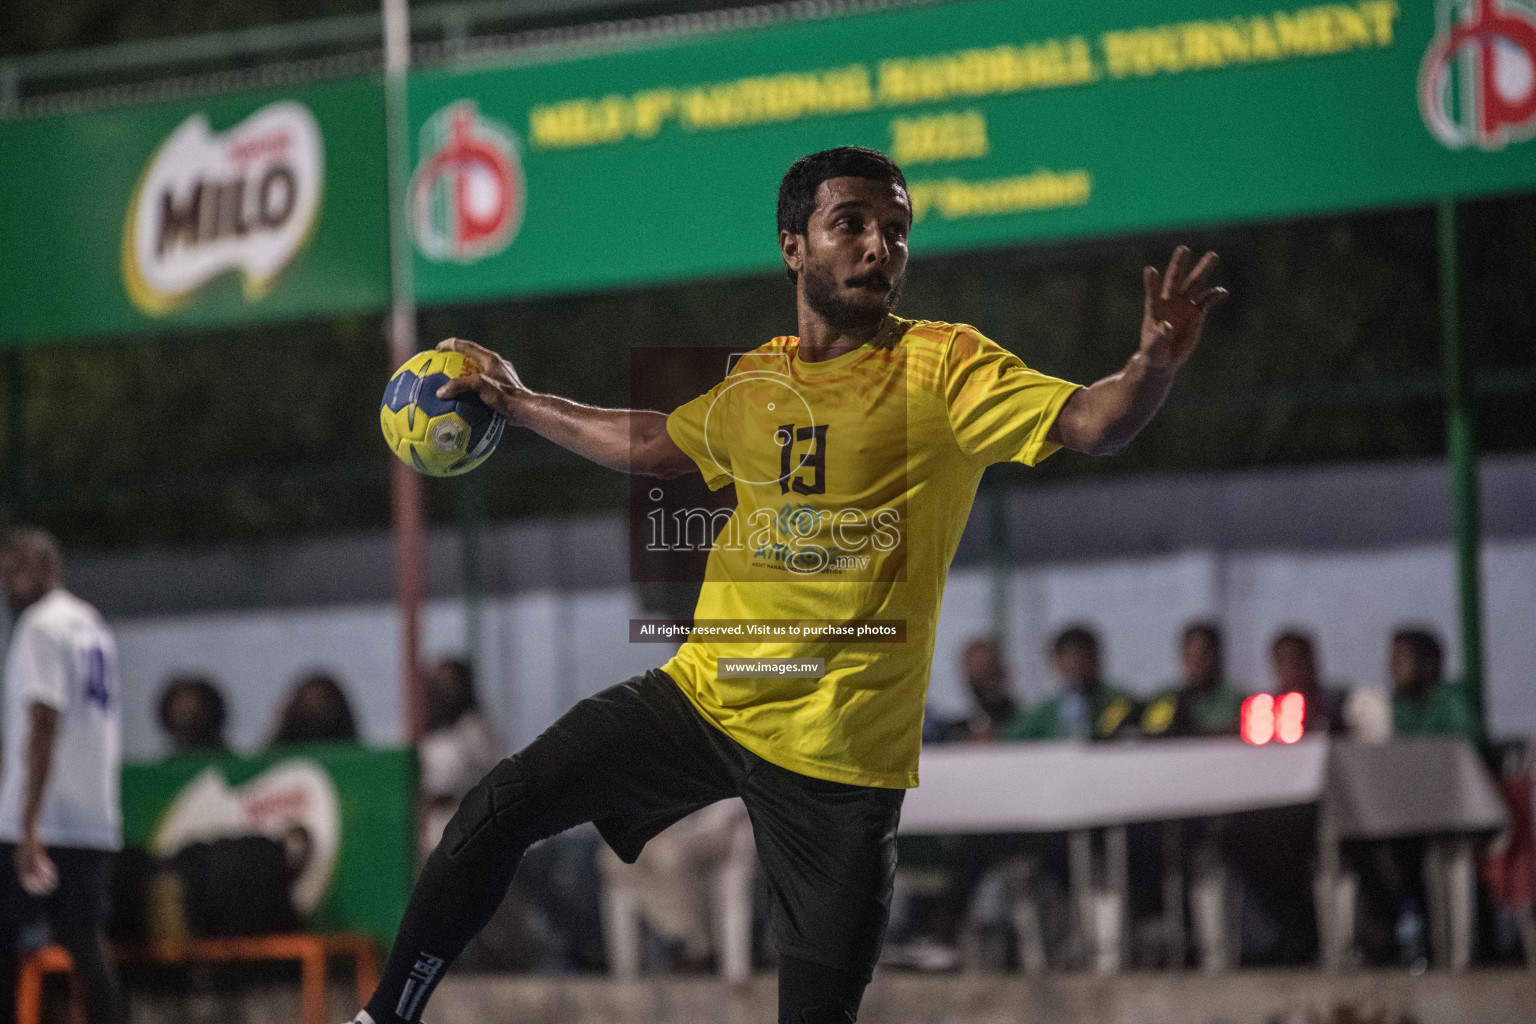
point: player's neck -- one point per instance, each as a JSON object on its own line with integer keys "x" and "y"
{"x": 820, "y": 341}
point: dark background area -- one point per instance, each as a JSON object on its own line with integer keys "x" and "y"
{"x": 1329, "y": 350}
{"x": 34, "y": 27}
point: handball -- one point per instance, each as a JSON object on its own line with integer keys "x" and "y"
{"x": 437, "y": 436}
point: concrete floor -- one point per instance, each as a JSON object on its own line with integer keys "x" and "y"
{"x": 1248, "y": 997}
{"x": 1245, "y": 997}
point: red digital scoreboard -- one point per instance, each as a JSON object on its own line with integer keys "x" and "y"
{"x": 1267, "y": 718}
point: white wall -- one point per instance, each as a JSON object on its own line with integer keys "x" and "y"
{"x": 543, "y": 651}
{"x": 1349, "y": 600}
{"x": 527, "y": 678}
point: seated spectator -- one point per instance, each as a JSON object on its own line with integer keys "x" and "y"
{"x": 193, "y": 714}
{"x": 457, "y": 747}
{"x": 1202, "y": 703}
{"x": 1423, "y": 703}
{"x": 1295, "y": 661}
{"x": 1392, "y": 884}
{"x": 929, "y": 933}
{"x": 990, "y": 876}
{"x": 317, "y": 712}
{"x": 1086, "y": 708}
{"x": 691, "y": 886}
{"x": 987, "y": 679}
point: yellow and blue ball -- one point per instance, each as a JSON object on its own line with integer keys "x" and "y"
{"x": 437, "y": 436}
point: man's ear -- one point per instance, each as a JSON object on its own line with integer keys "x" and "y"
{"x": 792, "y": 248}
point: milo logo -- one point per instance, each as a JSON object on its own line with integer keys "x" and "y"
{"x": 244, "y": 200}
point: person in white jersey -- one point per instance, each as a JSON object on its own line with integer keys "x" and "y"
{"x": 60, "y": 819}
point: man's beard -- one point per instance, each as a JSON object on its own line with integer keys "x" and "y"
{"x": 841, "y": 315}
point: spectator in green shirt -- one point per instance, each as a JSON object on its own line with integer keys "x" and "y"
{"x": 1391, "y": 871}
{"x": 1202, "y": 704}
{"x": 1086, "y": 708}
{"x": 1424, "y": 704}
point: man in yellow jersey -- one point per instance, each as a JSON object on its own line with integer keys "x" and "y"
{"x": 855, "y": 450}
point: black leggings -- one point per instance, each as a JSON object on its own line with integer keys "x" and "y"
{"x": 77, "y": 910}
{"x": 634, "y": 759}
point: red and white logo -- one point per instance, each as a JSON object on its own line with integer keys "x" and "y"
{"x": 467, "y": 193}
{"x": 1477, "y": 85}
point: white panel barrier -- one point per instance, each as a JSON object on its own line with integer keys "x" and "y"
{"x": 542, "y": 651}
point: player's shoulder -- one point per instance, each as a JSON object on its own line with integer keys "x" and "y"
{"x": 59, "y": 613}
{"x": 941, "y": 339}
{"x": 932, "y": 348}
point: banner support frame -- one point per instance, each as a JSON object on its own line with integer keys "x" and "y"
{"x": 1462, "y": 459}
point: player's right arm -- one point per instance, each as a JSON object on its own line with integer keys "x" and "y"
{"x": 34, "y": 867}
{"x": 629, "y": 440}
{"x": 43, "y": 668}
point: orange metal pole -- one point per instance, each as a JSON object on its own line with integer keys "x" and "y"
{"x": 405, "y": 485}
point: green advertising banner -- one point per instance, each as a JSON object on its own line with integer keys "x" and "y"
{"x": 245, "y": 209}
{"x": 658, "y": 160}
{"x": 352, "y": 806}
{"x": 1014, "y": 121}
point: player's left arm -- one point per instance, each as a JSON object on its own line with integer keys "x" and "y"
{"x": 1103, "y": 418}
{"x": 33, "y": 866}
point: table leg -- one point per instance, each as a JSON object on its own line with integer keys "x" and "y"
{"x": 1209, "y": 898}
{"x": 312, "y": 987}
{"x": 29, "y": 995}
{"x": 1449, "y": 880}
{"x": 367, "y": 961}
{"x": 1174, "y": 950}
{"x": 733, "y": 919}
{"x": 1080, "y": 889}
{"x": 1331, "y": 940}
{"x": 1461, "y": 877}
{"x": 621, "y": 931}
{"x": 1116, "y": 897}
{"x": 1029, "y": 930}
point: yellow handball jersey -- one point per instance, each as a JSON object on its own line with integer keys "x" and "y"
{"x": 854, "y": 479}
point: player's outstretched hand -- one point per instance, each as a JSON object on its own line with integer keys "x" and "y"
{"x": 1176, "y": 307}
{"x": 488, "y": 375}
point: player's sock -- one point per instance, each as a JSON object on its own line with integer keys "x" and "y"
{"x": 362, "y": 1018}
{"x": 462, "y": 884}
{"x": 453, "y": 899}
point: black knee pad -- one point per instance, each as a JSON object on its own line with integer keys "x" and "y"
{"x": 495, "y": 810}
{"x": 812, "y": 993}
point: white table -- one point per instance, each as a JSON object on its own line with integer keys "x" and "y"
{"x": 1421, "y": 786}
{"x": 1063, "y": 786}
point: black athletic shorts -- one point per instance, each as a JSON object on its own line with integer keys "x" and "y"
{"x": 83, "y": 896}
{"x": 638, "y": 756}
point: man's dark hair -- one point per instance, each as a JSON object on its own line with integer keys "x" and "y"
{"x": 1076, "y": 637}
{"x": 210, "y": 730}
{"x": 1207, "y": 631}
{"x": 444, "y": 709}
{"x": 35, "y": 546}
{"x": 797, "y": 192}
{"x": 330, "y": 719}
{"x": 1292, "y": 636}
{"x": 1424, "y": 645}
